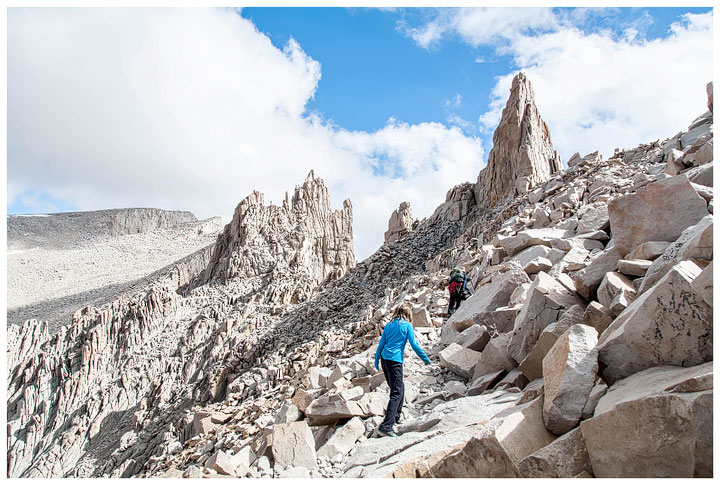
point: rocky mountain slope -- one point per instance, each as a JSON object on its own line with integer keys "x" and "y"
{"x": 58, "y": 263}
{"x": 585, "y": 350}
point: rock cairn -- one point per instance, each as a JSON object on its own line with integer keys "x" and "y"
{"x": 584, "y": 351}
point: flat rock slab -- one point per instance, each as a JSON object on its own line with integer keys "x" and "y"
{"x": 474, "y": 338}
{"x": 634, "y": 267}
{"x": 325, "y": 411}
{"x": 656, "y": 380}
{"x": 656, "y": 423}
{"x": 669, "y": 324}
{"x": 442, "y": 431}
{"x": 459, "y": 360}
{"x": 660, "y": 211}
{"x": 496, "y": 452}
{"x": 649, "y": 250}
{"x": 532, "y": 237}
{"x": 569, "y": 371}
{"x": 293, "y": 445}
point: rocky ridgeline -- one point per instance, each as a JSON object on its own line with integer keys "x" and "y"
{"x": 62, "y": 230}
{"x": 585, "y": 350}
{"x": 304, "y": 236}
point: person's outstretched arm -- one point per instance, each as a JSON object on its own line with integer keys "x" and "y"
{"x": 378, "y": 352}
{"x": 415, "y": 345}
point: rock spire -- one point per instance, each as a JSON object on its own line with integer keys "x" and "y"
{"x": 303, "y": 235}
{"x": 522, "y": 155}
{"x": 400, "y": 223}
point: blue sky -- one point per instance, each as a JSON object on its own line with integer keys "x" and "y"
{"x": 372, "y": 72}
{"x": 364, "y": 52}
{"x": 193, "y": 109}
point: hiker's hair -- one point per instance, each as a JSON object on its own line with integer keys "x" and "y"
{"x": 403, "y": 311}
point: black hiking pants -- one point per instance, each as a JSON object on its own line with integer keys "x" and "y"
{"x": 455, "y": 299}
{"x": 394, "y": 376}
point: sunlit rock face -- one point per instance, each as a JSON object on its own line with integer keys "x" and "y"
{"x": 304, "y": 237}
{"x": 522, "y": 155}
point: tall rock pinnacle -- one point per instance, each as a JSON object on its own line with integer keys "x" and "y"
{"x": 522, "y": 155}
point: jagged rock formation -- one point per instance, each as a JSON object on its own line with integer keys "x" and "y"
{"x": 400, "y": 223}
{"x": 522, "y": 155}
{"x": 220, "y": 380}
{"x": 304, "y": 236}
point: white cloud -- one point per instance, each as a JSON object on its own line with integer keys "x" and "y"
{"x": 483, "y": 25}
{"x": 493, "y": 25}
{"x": 192, "y": 109}
{"x": 598, "y": 90}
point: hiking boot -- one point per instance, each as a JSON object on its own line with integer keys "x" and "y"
{"x": 391, "y": 433}
{"x": 399, "y": 420}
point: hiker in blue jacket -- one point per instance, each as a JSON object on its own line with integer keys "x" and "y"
{"x": 392, "y": 349}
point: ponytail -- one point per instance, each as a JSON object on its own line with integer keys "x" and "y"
{"x": 403, "y": 312}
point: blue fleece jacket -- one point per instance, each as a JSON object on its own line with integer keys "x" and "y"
{"x": 392, "y": 343}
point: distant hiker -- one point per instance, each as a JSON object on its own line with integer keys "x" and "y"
{"x": 424, "y": 268}
{"x": 392, "y": 349}
{"x": 458, "y": 289}
{"x": 466, "y": 293}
